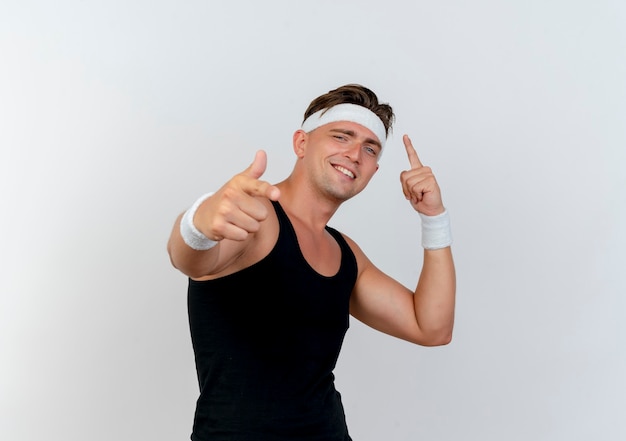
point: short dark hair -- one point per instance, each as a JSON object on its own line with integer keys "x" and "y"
{"x": 353, "y": 94}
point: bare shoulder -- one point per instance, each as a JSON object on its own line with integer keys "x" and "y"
{"x": 362, "y": 260}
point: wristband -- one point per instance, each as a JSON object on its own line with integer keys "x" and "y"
{"x": 191, "y": 235}
{"x": 436, "y": 231}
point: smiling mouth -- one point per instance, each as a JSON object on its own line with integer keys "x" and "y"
{"x": 345, "y": 171}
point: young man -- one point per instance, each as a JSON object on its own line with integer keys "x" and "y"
{"x": 271, "y": 286}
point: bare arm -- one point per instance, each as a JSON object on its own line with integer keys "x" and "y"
{"x": 231, "y": 216}
{"x": 426, "y": 315}
{"x": 434, "y": 297}
{"x": 190, "y": 262}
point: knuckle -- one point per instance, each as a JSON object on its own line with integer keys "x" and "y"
{"x": 260, "y": 187}
{"x": 229, "y": 192}
{"x": 219, "y": 226}
{"x": 254, "y": 227}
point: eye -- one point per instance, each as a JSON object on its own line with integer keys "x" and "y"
{"x": 340, "y": 137}
{"x": 371, "y": 150}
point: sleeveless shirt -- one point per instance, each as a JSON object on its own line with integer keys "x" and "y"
{"x": 266, "y": 340}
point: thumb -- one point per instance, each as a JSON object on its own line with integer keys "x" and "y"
{"x": 257, "y": 168}
{"x": 255, "y": 171}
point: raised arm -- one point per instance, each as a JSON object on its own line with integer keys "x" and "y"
{"x": 435, "y": 293}
{"x": 426, "y": 315}
{"x": 222, "y": 224}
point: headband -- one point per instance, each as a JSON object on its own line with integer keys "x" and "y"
{"x": 347, "y": 112}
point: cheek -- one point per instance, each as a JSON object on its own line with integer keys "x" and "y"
{"x": 373, "y": 168}
{"x": 367, "y": 176}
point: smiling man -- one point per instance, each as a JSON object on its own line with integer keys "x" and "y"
{"x": 271, "y": 285}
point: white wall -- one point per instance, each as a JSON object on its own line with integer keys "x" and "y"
{"x": 116, "y": 115}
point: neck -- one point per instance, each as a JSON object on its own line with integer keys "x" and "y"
{"x": 303, "y": 203}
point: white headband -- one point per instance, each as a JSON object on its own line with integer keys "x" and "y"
{"x": 347, "y": 112}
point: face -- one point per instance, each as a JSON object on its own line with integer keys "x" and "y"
{"x": 340, "y": 158}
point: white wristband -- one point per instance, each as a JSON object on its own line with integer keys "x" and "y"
{"x": 191, "y": 235}
{"x": 436, "y": 231}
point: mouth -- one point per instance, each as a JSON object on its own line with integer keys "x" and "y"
{"x": 345, "y": 171}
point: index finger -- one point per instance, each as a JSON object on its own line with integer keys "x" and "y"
{"x": 414, "y": 160}
{"x": 255, "y": 187}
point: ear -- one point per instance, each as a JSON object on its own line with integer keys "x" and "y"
{"x": 300, "y": 138}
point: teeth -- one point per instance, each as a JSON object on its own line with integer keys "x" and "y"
{"x": 345, "y": 171}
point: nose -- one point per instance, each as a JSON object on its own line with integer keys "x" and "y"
{"x": 353, "y": 151}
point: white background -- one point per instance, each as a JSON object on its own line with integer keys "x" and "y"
{"x": 116, "y": 115}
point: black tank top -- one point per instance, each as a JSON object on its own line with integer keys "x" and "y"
{"x": 266, "y": 340}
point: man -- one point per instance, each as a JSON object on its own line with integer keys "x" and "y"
{"x": 271, "y": 285}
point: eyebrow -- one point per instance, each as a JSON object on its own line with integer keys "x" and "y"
{"x": 353, "y": 134}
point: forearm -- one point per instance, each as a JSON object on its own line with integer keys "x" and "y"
{"x": 434, "y": 297}
{"x": 190, "y": 262}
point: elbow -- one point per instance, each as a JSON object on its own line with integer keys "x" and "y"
{"x": 439, "y": 338}
{"x": 186, "y": 266}
{"x": 444, "y": 339}
{"x": 190, "y": 271}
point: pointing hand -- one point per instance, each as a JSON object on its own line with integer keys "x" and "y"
{"x": 235, "y": 210}
{"x": 419, "y": 184}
